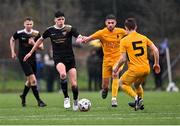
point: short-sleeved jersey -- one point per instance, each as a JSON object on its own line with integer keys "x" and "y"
{"x": 110, "y": 42}
{"x": 135, "y": 46}
{"x": 23, "y": 36}
{"x": 61, "y": 40}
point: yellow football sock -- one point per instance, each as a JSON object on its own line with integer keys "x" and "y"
{"x": 139, "y": 91}
{"x": 128, "y": 89}
{"x": 115, "y": 87}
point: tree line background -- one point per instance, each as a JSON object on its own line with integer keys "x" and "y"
{"x": 158, "y": 19}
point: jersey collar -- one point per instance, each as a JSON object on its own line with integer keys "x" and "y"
{"x": 55, "y": 26}
{"x": 108, "y": 30}
{"x": 132, "y": 32}
{"x": 28, "y": 32}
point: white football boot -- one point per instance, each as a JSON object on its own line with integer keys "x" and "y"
{"x": 75, "y": 105}
{"x": 114, "y": 102}
{"x": 67, "y": 103}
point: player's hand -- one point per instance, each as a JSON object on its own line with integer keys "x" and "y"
{"x": 82, "y": 39}
{"x": 13, "y": 55}
{"x": 27, "y": 57}
{"x": 115, "y": 72}
{"x": 31, "y": 41}
{"x": 79, "y": 39}
{"x": 156, "y": 68}
{"x": 85, "y": 39}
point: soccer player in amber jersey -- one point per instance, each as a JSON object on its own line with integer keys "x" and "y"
{"x": 133, "y": 48}
{"x": 110, "y": 37}
{"x": 27, "y": 38}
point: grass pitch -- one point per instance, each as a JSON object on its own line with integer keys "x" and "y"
{"x": 160, "y": 108}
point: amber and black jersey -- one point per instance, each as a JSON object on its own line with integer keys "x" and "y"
{"x": 23, "y": 36}
{"x": 61, "y": 40}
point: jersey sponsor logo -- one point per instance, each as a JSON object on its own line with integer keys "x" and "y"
{"x": 61, "y": 40}
{"x": 53, "y": 34}
{"x": 64, "y": 33}
{"x": 23, "y": 38}
{"x": 111, "y": 45}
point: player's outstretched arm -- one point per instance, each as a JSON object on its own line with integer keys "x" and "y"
{"x": 12, "y": 47}
{"x": 87, "y": 39}
{"x": 36, "y": 45}
{"x": 32, "y": 42}
{"x": 41, "y": 46}
{"x": 83, "y": 39}
{"x": 155, "y": 51}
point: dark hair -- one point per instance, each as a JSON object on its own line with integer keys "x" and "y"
{"x": 110, "y": 16}
{"x": 28, "y": 19}
{"x": 130, "y": 23}
{"x": 58, "y": 14}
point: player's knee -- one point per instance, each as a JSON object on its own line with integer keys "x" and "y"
{"x": 74, "y": 86}
{"x": 63, "y": 76}
{"x": 74, "y": 82}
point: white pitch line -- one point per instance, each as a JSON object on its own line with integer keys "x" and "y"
{"x": 164, "y": 113}
{"x": 83, "y": 118}
{"x": 32, "y": 116}
{"x": 82, "y": 115}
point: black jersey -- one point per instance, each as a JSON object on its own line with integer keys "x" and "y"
{"x": 23, "y": 37}
{"x": 61, "y": 39}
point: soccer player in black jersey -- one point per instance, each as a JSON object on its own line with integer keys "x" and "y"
{"x": 61, "y": 40}
{"x": 27, "y": 38}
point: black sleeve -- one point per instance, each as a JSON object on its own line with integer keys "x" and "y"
{"x": 37, "y": 37}
{"x": 74, "y": 32}
{"x": 15, "y": 36}
{"x": 46, "y": 34}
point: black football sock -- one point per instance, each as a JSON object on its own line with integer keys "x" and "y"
{"x": 25, "y": 91}
{"x": 64, "y": 87}
{"x": 75, "y": 92}
{"x": 35, "y": 92}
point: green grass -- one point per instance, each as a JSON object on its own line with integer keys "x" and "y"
{"x": 160, "y": 108}
{"x": 12, "y": 84}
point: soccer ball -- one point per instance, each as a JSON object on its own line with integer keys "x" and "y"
{"x": 84, "y": 105}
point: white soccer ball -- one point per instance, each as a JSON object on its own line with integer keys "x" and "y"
{"x": 84, "y": 105}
